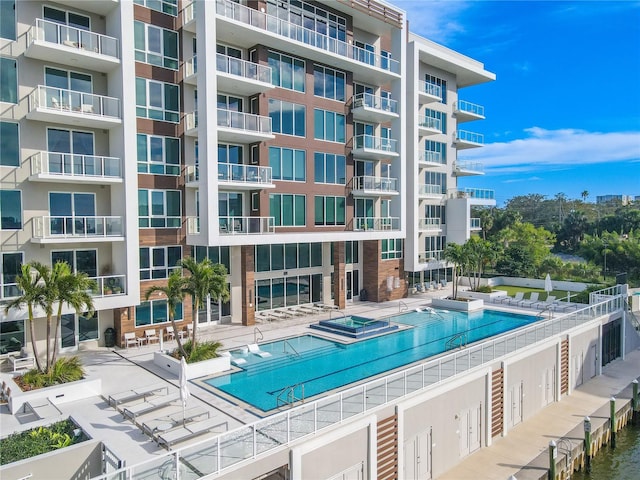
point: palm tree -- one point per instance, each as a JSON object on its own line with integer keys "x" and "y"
{"x": 455, "y": 254}
{"x": 33, "y": 296}
{"x": 585, "y": 195}
{"x": 206, "y": 280}
{"x": 174, "y": 291}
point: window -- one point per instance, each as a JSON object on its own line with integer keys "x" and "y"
{"x": 328, "y": 126}
{"x": 10, "y": 269}
{"x": 287, "y": 118}
{"x": 159, "y": 262}
{"x": 67, "y": 80}
{"x": 12, "y": 336}
{"x": 215, "y": 254}
{"x": 155, "y": 311}
{"x": 391, "y": 248}
{"x": 433, "y": 247}
{"x": 329, "y": 168}
{"x": 351, "y": 252}
{"x": 170, "y": 7}
{"x": 72, "y": 19}
{"x": 328, "y": 83}
{"x": 288, "y": 210}
{"x": 436, "y": 211}
{"x": 155, "y": 46}
{"x": 292, "y": 255}
{"x": 157, "y": 100}
{"x": 287, "y": 72}
{"x": 158, "y": 155}
{"x": 442, "y": 116}
{"x": 230, "y": 204}
{"x": 230, "y": 154}
{"x": 365, "y": 53}
{"x": 8, "y": 19}
{"x": 88, "y": 327}
{"x": 436, "y": 178}
{"x": 8, "y": 80}
{"x": 159, "y": 208}
{"x": 288, "y": 164}
{"x": 80, "y": 261}
{"x": 437, "y": 151}
{"x": 329, "y": 210}
{"x": 441, "y": 83}
{"x": 10, "y": 210}
{"x": 9, "y": 144}
{"x": 313, "y": 18}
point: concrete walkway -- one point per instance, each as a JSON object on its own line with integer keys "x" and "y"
{"x": 522, "y": 452}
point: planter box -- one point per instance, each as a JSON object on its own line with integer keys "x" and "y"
{"x": 470, "y": 306}
{"x": 485, "y": 296}
{"x": 67, "y": 392}
{"x": 194, "y": 370}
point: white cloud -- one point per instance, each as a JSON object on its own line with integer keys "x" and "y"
{"x": 545, "y": 149}
{"x": 435, "y": 20}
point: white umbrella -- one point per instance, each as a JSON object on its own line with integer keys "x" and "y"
{"x": 184, "y": 387}
{"x": 548, "y": 286}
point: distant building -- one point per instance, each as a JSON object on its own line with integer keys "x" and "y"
{"x": 624, "y": 199}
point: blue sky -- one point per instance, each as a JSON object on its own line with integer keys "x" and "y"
{"x": 564, "y": 112}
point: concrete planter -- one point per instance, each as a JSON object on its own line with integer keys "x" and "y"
{"x": 460, "y": 305}
{"x": 67, "y": 392}
{"x": 194, "y": 370}
{"x": 485, "y": 296}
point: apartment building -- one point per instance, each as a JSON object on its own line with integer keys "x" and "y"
{"x": 310, "y": 147}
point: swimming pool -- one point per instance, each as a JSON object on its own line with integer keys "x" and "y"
{"x": 322, "y": 365}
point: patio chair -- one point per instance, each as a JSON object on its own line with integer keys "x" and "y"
{"x": 548, "y": 302}
{"x": 255, "y": 349}
{"x": 137, "y": 393}
{"x": 188, "y": 432}
{"x": 519, "y": 296}
{"x": 310, "y": 309}
{"x": 296, "y": 312}
{"x": 285, "y": 313}
{"x": 171, "y": 334}
{"x": 155, "y": 425}
{"x": 533, "y": 299}
{"x": 279, "y": 315}
{"x": 147, "y": 406}
{"x": 130, "y": 339}
{"x": 150, "y": 335}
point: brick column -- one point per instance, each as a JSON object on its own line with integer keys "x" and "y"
{"x": 376, "y": 271}
{"x": 247, "y": 260}
{"x": 339, "y": 287}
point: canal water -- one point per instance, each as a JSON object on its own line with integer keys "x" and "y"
{"x": 621, "y": 463}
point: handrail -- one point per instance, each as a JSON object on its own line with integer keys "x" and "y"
{"x": 401, "y": 304}
{"x": 462, "y": 336}
{"x": 568, "y": 457}
{"x": 290, "y": 398}
{"x": 256, "y": 330}
{"x": 284, "y": 349}
{"x": 548, "y": 308}
{"x": 339, "y": 311}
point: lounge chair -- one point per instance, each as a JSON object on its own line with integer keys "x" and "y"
{"x": 418, "y": 287}
{"x": 152, "y": 427}
{"x": 190, "y": 431}
{"x": 519, "y": 296}
{"x": 279, "y": 315}
{"x": 137, "y": 393}
{"x": 550, "y": 301}
{"x": 234, "y": 360}
{"x": 285, "y": 313}
{"x": 324, "y": 306}
{"x": 254, "y": 348}
{"x": 533, "y": 299}
{"x": 310, "y": 308}
{"x": 295, "y": 312}
{"x": 147, "y": 406}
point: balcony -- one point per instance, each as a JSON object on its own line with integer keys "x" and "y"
{"x": 70, "y": 229}
{"x": 463, "y": 139}
{"x": 249, "y": 27}
{"x": 70, "y": 107}
{"x": 467, "y": 111}
{"x": 189, "y": 17}
{"x": 374, "y": 148}
{"x": 190, "y": 73}
{"x": 431, "y": 159}
{"x": 54, "y": 42}
{"x": 429, "y": 224}
{"x": 69, "y": 168}
{"x": 430, "y": 257}
{"x": 193, "y": 226}
{"x": 475, "y": 196}
{"x": 243, "y": 177}
{"x": 242, "y": 77}
{"x": 243, "y": 127}
{"x": 429, "y": 92}
{"x": 109, "y": 285}
{"x": 368, "y": 186}
{"x": 429, "y": 125}
{"x": 376, "y": 224}
{"x": 474, "y": 224}
{"x": 191, "y": 124}
{"x": 246, "y": 225}
{"x": 430, "y": 191}
{"x": 466, "y": 169}
{"x": 372, "y": 108}
{"x": 191, "y": 176}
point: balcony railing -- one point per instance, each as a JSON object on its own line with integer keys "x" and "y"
{"x": 376, "y": 223}
{"x": 430, "y": 190}
{"x": 191, "y": 66}
{"x": 371, "y": 142}
{"x": 189, "y": 13}
{"x": 228, "y": 172}
{"x": 243, "y": 68}
{"x": 377, "y": 184}
{"x": 69, "y": 164}
{"x": 56, "y": 33}
{"x": 429, "y": 224}
{"x": 469, "y": 137}
{"x": 246, "y": 225}
{"x": 430, "y": 89}
{"x": 193, "y": 225}
{"x": 191, "y": 120}
{"x": 468, "y": 107}
{"x": 375, "y": 102}
{"x": 474, "y": 224}
{"x": 432, "y": 157}
{"x": 482, "y": 193}
{"x": 192, "y": 174}
{"x": 109, "y": 285}
{"x": 432, "y": 256}
{"x": 72, "y": 101}
{"x": 291, "y": 31}
{"x": 469, "y": 166}
{"x": 430, "y": 123}
{"x": 244, "y": 121}
{"x": 77, "y": 227}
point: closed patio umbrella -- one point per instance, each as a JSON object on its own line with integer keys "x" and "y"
{"x": 548, "y": 286}
{"x": 184, "y": 387}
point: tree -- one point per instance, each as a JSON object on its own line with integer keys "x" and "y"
{"x": 516, "y": 262}
{"x": 33, "y": 296}
{"x": 486, "y": 222}
{"x": 585, "y": 195}
{"x": 174, "y": 291}
{"x": 205, "y": 280}
{"x": 455, "y": 254}
{"x": 479, "y": 253}
{"x": 536, "y": 242}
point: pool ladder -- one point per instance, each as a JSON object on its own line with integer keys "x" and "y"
{"x": 402, "y": 307}
{"x": 284, "y": 348}
{"x": 458, "y": 340}
{"x": 287, "y": 395}
{"x": 257, "y": 331}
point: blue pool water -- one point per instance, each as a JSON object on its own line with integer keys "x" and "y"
{"x": 322, "y": 365}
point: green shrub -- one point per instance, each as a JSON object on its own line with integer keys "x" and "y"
{"x": 65, "y": 370}
{"x": 30, "y": 443}
{"x": 203, "y": 351}
{"x": 484, "y": 289}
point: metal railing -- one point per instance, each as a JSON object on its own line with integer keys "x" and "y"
{"x": 429, "y": 224}
{"x": 371, "y": 142}
{"x": 109, "y": 285}
{"x": 191, "y": 120}
{"x": 243, "y": 68}
{"x": 189, "y": 13}
{"x": 63, "y": 100}
{"x": 77, "y": 227}
{"x": 468, "y": 137}
{"x": 430, "y": 190}
{"x": 432, "y": 123}
{"x": 215, "y": 455}
{"x": 432, "y": 256}
{"x": 377, "y": 184}
{"x": 244, "y": 121}
{"x": 432, "y": 157}
{"x": 69, "y": 164}
{"x": 376, "y": 223}
{"x": 191, "y": 174}
{"x": 468, "y": 107}
{"x": 261, "y": 21}
{"x": 430, "y": 88}
{"x": 193, "y": 225}
{"x": 72, "y": 37}
{"x": 246, "y": 225}
{"x": 229, "y": 172}
{"x": 469, "y": 166}
{"x": 375, "y": 102}
{"x": 191, "y": 66}
{"x": 481, "y": 193}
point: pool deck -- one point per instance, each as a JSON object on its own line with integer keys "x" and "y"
{"x": 122, "y": 369}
